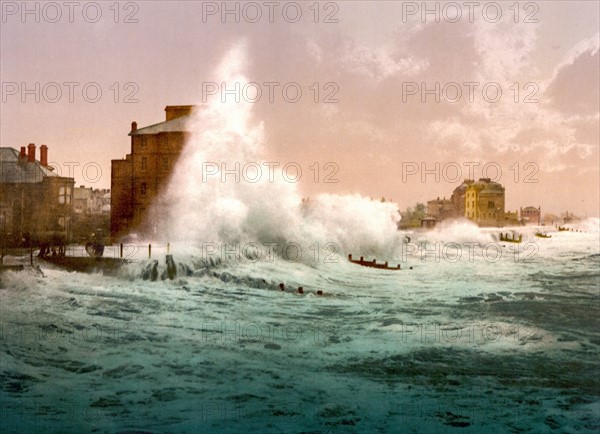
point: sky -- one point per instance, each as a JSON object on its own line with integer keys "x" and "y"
{"x": 394, "y": 103}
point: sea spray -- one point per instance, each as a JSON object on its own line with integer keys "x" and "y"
{"x": 458, "y": 231}
{"x": 203, "y": 206}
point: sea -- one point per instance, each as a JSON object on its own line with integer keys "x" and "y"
{"x": 470, "y": 335}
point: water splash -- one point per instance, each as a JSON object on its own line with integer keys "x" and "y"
{"x": 218, "y": 208}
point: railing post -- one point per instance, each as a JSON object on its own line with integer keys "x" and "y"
{"x": 149, "y": 251}
{"x": 121, "y": 250}
{"x": 168, "y": 248}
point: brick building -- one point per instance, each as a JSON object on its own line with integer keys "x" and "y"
{"x": 531, "y": 215}
{"x": 438, "y": 210}
{"x": 35, "y": 203}
{"x": 484, "y": 202}
{"x": 140, "y": 177}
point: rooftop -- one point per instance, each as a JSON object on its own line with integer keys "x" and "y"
{"x": 176, "y": 119}
{"x": 174, "y": 125}
{"x": 14, "y": 171}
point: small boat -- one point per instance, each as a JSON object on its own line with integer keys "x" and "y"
{"x": 541, "y": 235}
{"x": 562, "y": 229}
{"x": 512, "y": 239}
{"x": 372, "y": 264}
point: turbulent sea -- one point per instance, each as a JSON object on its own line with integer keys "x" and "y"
{"x": 504, "y": 338}
{"x": 471, "y": 335}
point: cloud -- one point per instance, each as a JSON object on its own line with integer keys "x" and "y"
{"x": 373, "y": 62}
{"x": 574, "y": 87}
{"x": 505, "y": 50}
{"x": 381, "y": 62}
{"x": 561, "y": 129}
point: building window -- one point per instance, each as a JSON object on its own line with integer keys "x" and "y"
{"x": 143, "y": 189}
{"x": 165, "y": 163}
{"x": 491, "y": 204}
{"x": 143, "y": 142}
{"x": 144, "y": 163}
{"x": 64, "y": 195}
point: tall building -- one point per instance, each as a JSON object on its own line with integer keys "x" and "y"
{"x": 458, "y": 197}
{"x": 35, "y": 203}
{"x": 480, "y": 201}
{"x": 484, "y": 202}
{"x": 142, "y": 175}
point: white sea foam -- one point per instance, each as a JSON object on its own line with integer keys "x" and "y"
{"x": 199, "y": 209}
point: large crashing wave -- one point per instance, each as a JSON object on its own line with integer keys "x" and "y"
{"x": 216, "y": 208}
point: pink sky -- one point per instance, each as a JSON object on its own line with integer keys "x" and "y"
{"x": 372, "y": 54}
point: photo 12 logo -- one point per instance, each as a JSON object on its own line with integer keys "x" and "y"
{"x": 56, "y": 333}
{"x": 69, "y": 12}
{"x": 454, "y": 12}
{"x": 455, "y": 333}
{"x": 69, "y": 91}
{"x": 469, "y": 91}
{"x": 453, "y": 172}
{"x": 454, "y": 252}
{"x": 90, "y": 171}
{"x": 251, "y": 252}
{"x": 270, "y": 12}
{"x": 222, "y": 332}
{"x": 253, "y": 172}
{"x": 273, "y": 91}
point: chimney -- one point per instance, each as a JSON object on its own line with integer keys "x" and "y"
{"x": 31, "y": 153}
{"x": 23, "y": 153}
{"x": 44, "y": 155}
{"x": 177, "y": 111}
{"x": 134, "y": 126}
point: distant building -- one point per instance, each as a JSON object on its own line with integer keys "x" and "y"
{"x": 81, "y": 200}
{"x": 91, "y": 209}
{"x": 511, "y": 219}
{"x": 480, "y": 201}
{"x": 531, "y": 215}
{"x": 87, "y": 200}
{"x": 458, "y": 197}
{"x": 484, "y": 202}
{"x": 35, "y": 203}
{"x": 428, "y": 222}
{"x": 570, "y": 218}
{"x": 138, "y": 179}
{"x": 551, "y": 219}
{"x": 441, "y": 209}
